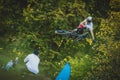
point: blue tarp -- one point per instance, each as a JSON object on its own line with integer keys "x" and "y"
{"x": 65, "y": 73}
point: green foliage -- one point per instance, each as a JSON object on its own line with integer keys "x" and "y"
{"x": 115, "y": 5}
{"x": 32, "y": 23}
{"x": 107, "y": 44}
{"x": 10, "y": 16}
{"x": 98, "y": 8}
{"x": 81, "y": 67}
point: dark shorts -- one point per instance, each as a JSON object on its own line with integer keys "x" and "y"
{"x": 80, "y": 30}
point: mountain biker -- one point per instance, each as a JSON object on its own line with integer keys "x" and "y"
{"x": 87, "y": 23}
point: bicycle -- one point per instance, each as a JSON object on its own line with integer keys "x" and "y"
{"x": 73, "y": 34}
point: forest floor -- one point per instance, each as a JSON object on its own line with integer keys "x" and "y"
{"x": 17, "y": 72}
{"x": 11, "y": 75}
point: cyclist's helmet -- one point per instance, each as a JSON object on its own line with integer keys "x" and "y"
{"x": 89, "y": 19}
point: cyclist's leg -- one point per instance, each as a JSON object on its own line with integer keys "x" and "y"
{"x": 80, "y": 30}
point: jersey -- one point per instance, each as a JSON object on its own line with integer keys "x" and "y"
{"x": 88, "y": 25}
{"x": 32, "y": 62}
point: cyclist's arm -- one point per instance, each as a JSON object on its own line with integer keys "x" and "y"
{"x": 84, "y": 23}
{"x": 92, "y": 34}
